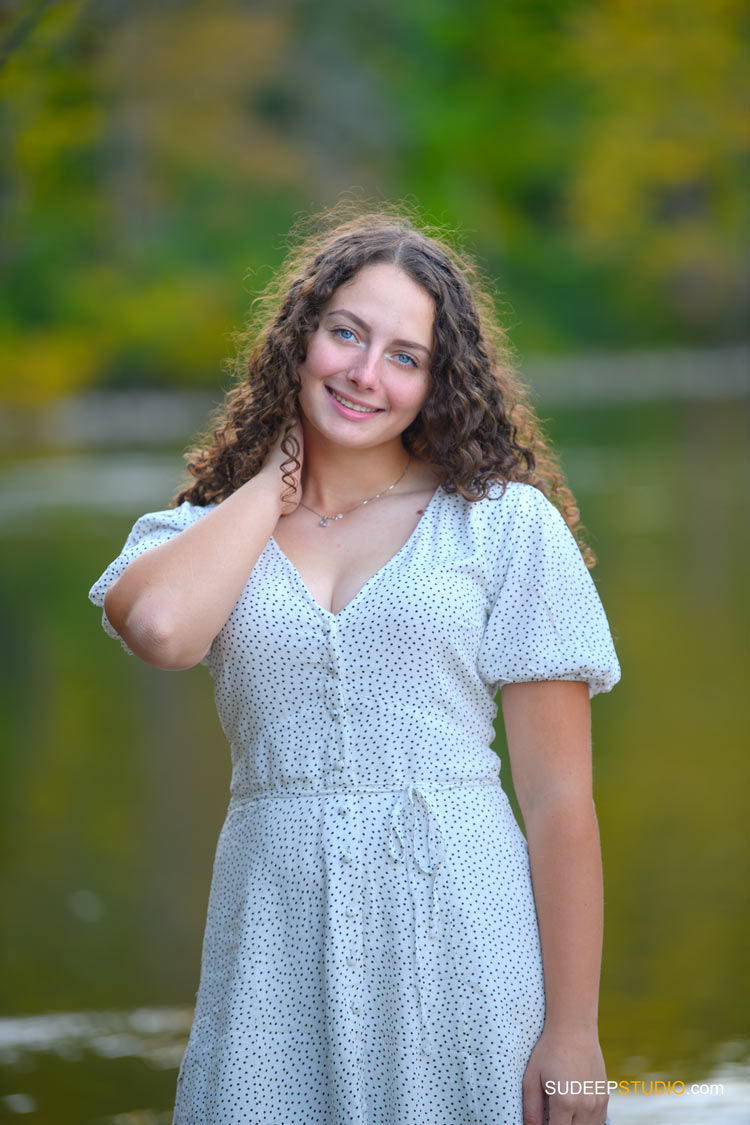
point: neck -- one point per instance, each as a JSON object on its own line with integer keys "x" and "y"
{"x": 336, "y": 477}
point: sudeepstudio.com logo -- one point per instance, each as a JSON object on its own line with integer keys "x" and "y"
{"x": 656, "y": 1086}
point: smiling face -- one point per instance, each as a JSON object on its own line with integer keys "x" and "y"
{"x": 371, "y": 347}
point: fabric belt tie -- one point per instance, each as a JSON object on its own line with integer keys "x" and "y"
{"x": 427, "y": 848}
{"x": 427, "y": 851}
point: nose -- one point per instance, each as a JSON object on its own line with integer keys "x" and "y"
{"x": 366, "y": 372}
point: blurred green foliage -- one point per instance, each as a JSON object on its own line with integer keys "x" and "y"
{"x": 589, "y": 151}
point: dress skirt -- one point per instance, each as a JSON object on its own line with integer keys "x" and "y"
{"x": 370, "y": 956}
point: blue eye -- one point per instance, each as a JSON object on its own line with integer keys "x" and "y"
{"x": 352, "y": 336}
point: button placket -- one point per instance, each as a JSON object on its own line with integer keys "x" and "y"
{"x": 345, "y": 817}
{"x": 335, "y": 708}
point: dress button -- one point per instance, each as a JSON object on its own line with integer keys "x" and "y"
{"x": 351, "y": 964}
{"x": 351, "y": 914}
{"x": 335, "y": 715}
{"x": 343, "y": 812}
{"x": 346, "y": 858}
{"x": 355, "y": 1009}
{"x": 338, "y": 765}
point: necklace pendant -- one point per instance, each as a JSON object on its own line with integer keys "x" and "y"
{"x": 323, "y": 521}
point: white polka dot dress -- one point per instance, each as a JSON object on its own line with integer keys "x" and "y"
{"x": 371, "y": 952}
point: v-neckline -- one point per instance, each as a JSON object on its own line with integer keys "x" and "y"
{"x": 373, "y": 577}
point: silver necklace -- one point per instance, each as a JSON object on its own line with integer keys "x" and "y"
{"x": 324, "y": 519}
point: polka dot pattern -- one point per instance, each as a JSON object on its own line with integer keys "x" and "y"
{"x": 371, "y": 951}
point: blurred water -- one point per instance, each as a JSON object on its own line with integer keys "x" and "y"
{"x": 74, "y": 1041}
{"x": 115, "y": 781}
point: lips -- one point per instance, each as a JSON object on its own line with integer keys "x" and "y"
{"x": 356, "y": 401}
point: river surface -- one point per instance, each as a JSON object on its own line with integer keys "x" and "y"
{"x": 115, "y": 781}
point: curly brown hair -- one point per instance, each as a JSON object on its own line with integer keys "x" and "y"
{"x": 476, "y": 427}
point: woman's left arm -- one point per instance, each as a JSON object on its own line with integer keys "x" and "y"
{"x": 548, "y": 727}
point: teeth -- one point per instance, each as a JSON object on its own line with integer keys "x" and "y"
{"x": 353, "y": 405}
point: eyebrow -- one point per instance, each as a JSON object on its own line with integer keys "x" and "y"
{"x": 362, "y": 324}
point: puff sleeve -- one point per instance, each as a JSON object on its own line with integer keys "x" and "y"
{"x": 148, "y": 530}
{"x": 547, "y": 621}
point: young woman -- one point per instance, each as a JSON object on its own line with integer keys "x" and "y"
{"x": 376, "y": 540}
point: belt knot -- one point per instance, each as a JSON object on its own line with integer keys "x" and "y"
{"x": 427, "y": 847}
{"x": 427, "y": 851}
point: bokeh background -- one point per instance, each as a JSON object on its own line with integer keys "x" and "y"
{"x": 590, "y": 154}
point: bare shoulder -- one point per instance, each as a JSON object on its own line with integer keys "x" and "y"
{"x": 423, "y": 478}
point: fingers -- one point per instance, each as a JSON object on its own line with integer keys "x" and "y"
{"x": 578, "y": 1109}
{"x": 533, "y": 1102}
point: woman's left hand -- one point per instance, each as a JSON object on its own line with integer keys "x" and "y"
{"x": 561, "y": 1060}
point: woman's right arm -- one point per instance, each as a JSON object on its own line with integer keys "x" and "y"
{"x": 171, "y": 601}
